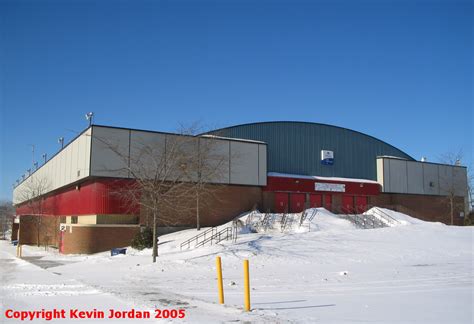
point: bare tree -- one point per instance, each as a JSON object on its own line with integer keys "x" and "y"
{"x": 6, "y": 217}
{"x": 160, "y": 170}
{"x": 207, "y": 167}
{"x": 450, "y": 184}
{"x": 32, "y": 195}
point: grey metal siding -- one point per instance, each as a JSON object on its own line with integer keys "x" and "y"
{"x": 295, "y": 147}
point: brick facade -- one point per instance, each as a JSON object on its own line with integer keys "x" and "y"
{"x": 226, "y": 203}
{"x": 48, "y": 230}
{"x": 88, "y": 239}
{"x": 425, "y": 207}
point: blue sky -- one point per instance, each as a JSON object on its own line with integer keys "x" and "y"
{"x": 401, "y": 71}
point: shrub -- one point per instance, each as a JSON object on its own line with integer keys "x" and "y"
{"x": 143, "y": 239}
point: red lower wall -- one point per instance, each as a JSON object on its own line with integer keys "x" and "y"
{"x": 98, "y": 196}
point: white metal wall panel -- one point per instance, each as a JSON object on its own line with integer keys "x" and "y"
{"x": 244, "y": 163}
{"x": 431, "y": 179}
{"x": 386, "y": 175}
{"x": 219, "y": 154}
{"x": 460, "y": 181}
{"x": 262, "y": 165}
{"x": 105, "y": 151}
{"x": 87, "y": 139}
{"x": 446, "y": 184}
{"x": 421, "y": 177}
{"x": 60, "y": 170}
{"x": 145, "y": 149}
{"x": 110, "y": 151}
{"x": 414, "y": 177}
{"x": 398, "y": 178}
{"x": 67, "y": 164}
{"x": 380, "y": 178}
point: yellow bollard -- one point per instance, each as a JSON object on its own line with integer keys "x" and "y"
{"x": 220, "y": 287}
{"x": 247, "y": 285}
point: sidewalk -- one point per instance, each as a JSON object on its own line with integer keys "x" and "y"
{"x": 26, "y": 287}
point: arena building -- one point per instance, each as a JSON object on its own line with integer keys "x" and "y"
{"x": 69, "y": 201}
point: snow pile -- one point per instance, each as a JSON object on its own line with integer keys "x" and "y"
{"x": 328, "y": 222}
{"x": 391, "y": 217}
{"x": 313, "y": 219}
{"x": 332, "y": 274}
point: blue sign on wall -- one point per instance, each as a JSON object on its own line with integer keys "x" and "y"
{"x": 327, "y": 157}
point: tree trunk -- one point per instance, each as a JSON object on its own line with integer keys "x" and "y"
{"x": 38, "y": 225}
{"x": 451, "y": 205}
{"x": 198, "y": 225}
{"x": 155, "y": 245}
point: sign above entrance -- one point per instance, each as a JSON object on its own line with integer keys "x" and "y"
{"x": 336, "y": 187}
{"x": 327, "y": 157}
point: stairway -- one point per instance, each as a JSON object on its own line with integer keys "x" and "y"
{"x": 366, "y": 221}
{"x": 211, "y": 236}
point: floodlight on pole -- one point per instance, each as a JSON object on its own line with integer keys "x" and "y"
{"x": 89, "y": 116}
{"x": 61, "y": 141}
{"x": 33, "y": 153}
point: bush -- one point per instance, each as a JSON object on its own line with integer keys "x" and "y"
{"x": 143, "y": 239}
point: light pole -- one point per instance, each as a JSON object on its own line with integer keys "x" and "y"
{"x": 45, "y": 157}
{"x": 61, "y": 141}
{"x": 33, "y": 153}
{"x": 89, "y": 116}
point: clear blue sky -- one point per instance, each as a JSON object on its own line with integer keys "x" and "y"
{"x": 401, "y": 71}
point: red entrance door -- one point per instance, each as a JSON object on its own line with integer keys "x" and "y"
{"x": 297, "y": 202}
{"x": 328, "y": 202}
{"x": 281, "y": 202}
{"x": 315, "y": 201}
{"x": 361, "y": 204}
{"x": 347, "y": 204}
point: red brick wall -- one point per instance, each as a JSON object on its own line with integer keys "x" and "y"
{"x": 48, "y": 230}
{"x": 93, "y": 239}
{"x": 428, "y": 208}
{"x": 224, "y": 204}
{"x": 15, "y": 227}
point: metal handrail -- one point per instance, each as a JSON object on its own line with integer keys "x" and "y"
{"x": 365, "y": 221}
{"x": 217, "y": 237}
{"x": 283, "y": 221}
{"x": 386, "y": 216}
{"x": 196, "y": 238}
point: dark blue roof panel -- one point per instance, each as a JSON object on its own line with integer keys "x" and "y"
{"x": 295, "y": 147}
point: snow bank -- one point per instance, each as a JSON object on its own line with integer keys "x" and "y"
{"x": 322, "y": 220}
{"x": 399, "y": 218}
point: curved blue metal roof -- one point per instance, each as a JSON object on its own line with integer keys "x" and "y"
{"x": 295, "y": 147}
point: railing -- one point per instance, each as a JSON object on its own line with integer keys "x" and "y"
{"x": 197, "y": 237}
{"x": 226, "y": 234}
{"x": 304, "y": 215}
{"x": 264, "y": 222}
{"x": 286, "y": 222}
{"x": 250, "y": 218}
{"x": 385, "y": 217}
{"x": 362, "y": 221}
{"x": 212, "y": 235}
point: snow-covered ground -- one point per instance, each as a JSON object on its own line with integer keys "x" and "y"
{"x": 421, "y": 272}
